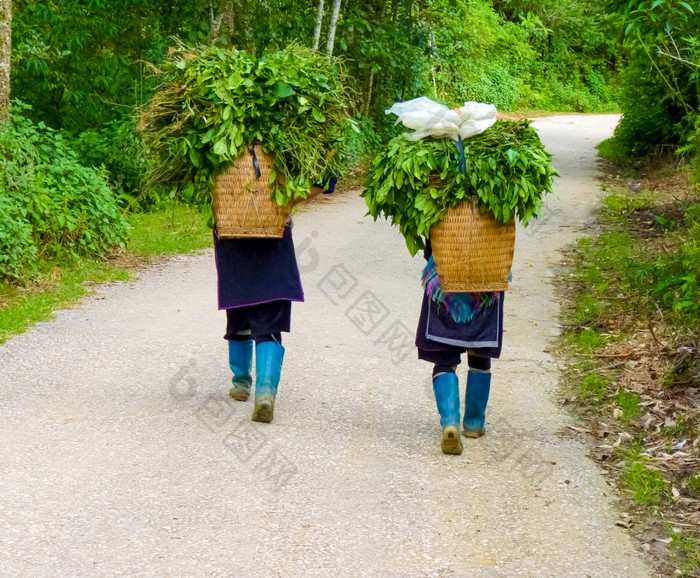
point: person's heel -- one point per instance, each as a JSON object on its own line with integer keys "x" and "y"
{"x": 451, "y": 444}
{"x": 264, "y": 410}
{"x": 446, "y": 389}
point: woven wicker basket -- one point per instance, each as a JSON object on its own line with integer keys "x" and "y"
{"x": 473, "y": 252}
{"x": 243, "y": 207}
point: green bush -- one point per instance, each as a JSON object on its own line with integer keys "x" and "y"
{"x": 612, "y": 150}
{"x": 660, "y": 85}
{"x": 118, "y": 147}
{"x": 568, "y": 66}
{"x": 479, "y": 57}
{"x": 569, "y": 94}
{"x": 494, "y": 83}
{"x": 675, "y": 278}
{"x": 596, "y": 83}
{"x": 363, "y": 143}
{"x": 52, "y": 206}
{"x": 17, "y": 249}
{"x": 646, "y": 120}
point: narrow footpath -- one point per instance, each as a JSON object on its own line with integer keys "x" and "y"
{"x": 121, "y": 453}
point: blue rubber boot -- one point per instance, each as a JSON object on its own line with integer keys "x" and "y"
{"x": 475, "y": 400}
{"x": 446, "y": 389}
{"x": 268, "y": 368}
{"x": 240, "y": 359}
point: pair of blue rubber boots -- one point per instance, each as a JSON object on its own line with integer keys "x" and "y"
{"x": 446, "y": 389}
{"x": 268, "y": 368}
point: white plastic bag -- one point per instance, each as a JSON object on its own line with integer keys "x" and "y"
{"x": 430, "y": 119}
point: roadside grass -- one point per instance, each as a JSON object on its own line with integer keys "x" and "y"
{"x": 631, "y": 341}
{"x": 176, "y": 229}
{"x": 611, "y": 150}
{"x": 593, "y": 389}
{"x": 685, "y": 547}
{"x": 59, "y": 284}
{"x": 645, "y": 484}
{"x": 627, "y": 403}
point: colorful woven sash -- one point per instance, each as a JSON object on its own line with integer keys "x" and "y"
{"x": 462, "y": 307}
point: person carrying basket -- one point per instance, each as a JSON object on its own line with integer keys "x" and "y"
{"x": 258, "y": 279}
{"x": 242, "y": 137}
{"x": 450, "y": 325}
{"x": 455, "y": 187}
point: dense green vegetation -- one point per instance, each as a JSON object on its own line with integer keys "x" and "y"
{"x": 79, "y": 59}
{"x": 52, "y": 204}
{"x": 86, "y": 70}
{"x": 659, "y": 75}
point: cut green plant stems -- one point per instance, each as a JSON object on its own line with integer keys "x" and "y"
{"x": 215, "y": 103}
{"x": 414, "y": 183}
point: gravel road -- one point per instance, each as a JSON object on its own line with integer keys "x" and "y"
{"x": 122, "y": 455}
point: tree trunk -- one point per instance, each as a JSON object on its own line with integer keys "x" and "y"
{"x": 214, "y": 23}
{"x": 368, "y": 102}
{"x": 319, "y": 22}
{"x": 5, "y": 52}
{"x": 333, "y": 24}
{"x": 222, "y": 15}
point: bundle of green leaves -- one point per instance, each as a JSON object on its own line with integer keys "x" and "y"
{"x": 413, "y": 183}
{"x": 214, "y": 103}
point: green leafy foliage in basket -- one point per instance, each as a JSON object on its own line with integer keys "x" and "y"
{"x": 413, "y": 183}
{"x": 214, "y": 103}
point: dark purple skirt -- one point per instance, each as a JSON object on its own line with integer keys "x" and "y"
{"x": 437, "y": 331}
{"x": 254, "y": 271}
